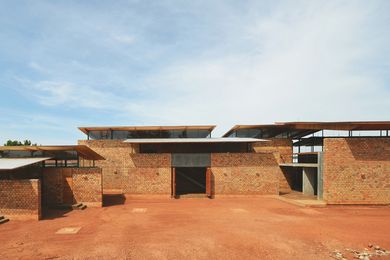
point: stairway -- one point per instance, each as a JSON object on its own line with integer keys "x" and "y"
{"x": 3, "y": 220}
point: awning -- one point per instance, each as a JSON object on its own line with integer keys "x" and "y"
{"x": 14, "y": 163}
{"x": 86, "y": 129}
{"x": 298, "y": 130}
{"x": 194, "y": 140}
{"x": 84, "y": 151}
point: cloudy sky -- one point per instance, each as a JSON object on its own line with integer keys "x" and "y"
{"x": 65, "y": 64}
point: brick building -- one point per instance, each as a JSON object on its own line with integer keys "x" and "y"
{"x": 337, "y": 162}
{"x": 35, "y": 178}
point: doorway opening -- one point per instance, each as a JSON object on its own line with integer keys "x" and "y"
{"x": 300, "y": 183}
{"x": 190, "y": 180}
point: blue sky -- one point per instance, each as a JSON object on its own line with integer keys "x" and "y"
{"x": 65, "y": 64}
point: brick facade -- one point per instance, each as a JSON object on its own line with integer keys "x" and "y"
{"x": 282, "y": 150}
{"x": 245, "y": 174}
{"x": 88, "y": 186}
{"x": 356, "y": 170}
{"x": 280, "y": 147}
{"x": 53, "y": 185}
{"x": 20, "y": 199}
{"x": 131, "y": 172}
{"x": 114, "y": 166}
{"x": 72, "y": 185}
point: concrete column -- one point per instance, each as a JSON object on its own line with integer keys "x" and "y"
{"x": 309, "y": 181}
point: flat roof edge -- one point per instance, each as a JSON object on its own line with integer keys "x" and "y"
{"x": 193, "y": 140}
{"x": 85, "y": 129}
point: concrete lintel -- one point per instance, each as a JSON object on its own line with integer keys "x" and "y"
{"x": 308, "y": 165}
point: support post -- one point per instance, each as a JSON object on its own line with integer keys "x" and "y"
{"x": 173, "y": 182}
{"x": 208, "y": 182}
{"x": 320, "y": 182}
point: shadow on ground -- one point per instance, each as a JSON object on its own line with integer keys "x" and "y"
{"x": 113, "y": 199}
{"x": 55, "y": 213}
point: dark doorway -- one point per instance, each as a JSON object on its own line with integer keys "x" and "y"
{"x": 190, "y": 180}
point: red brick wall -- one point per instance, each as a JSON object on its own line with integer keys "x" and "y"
{"x": 20, "y": 199}
{"x": 86, "y": 186}
{"x": 53, "y": 185}
{"x": 356, "y": 170}
{"x": 282, "y": 150}
{"x": 115, "y": 164}
{"x": 235, "y": 173}
{"x": 280, "y": 147}
{"x": 245, "y": 174}
{"x": 131, "y": 172}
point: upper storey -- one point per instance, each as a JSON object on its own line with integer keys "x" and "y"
{"x": 140, "y": 132}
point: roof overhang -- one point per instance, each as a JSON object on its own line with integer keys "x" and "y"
{"x": 86, "y": 129}
{"x": 300, "y": 129}
{"x": 349, "y": 126}
{"x": 193, "y": 140}
{"x": 83, "y": 150}
{"x": 14, "y": 163}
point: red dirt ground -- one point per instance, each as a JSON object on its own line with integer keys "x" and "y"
{"x": 244, "y": 228}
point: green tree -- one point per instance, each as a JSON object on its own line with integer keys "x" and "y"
{"x": 18, "y": 143}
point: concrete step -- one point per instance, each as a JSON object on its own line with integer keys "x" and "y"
{"x": 3, "y": 220}
{"x": 192, "y": 195}
{"x": 79, "y": 206}
{"x": 303, "y": 202}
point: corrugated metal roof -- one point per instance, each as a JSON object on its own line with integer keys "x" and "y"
{"x": 194, "y": 140}
{"x": 14, "y": 163}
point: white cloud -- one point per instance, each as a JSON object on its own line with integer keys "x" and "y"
{"x": 125, "y": 39}
{"x": 308, "y": 64}
{"x": 53, "y": 93}
{"x": 37, "y": 67}
{"x": 322, "y": 60}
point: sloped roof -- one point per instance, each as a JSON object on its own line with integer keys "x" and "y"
{"x": 14, "y": 163}
{"x": 83, "y": 150}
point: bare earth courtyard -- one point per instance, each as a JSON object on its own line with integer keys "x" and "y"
{"x": 234, "y": 228}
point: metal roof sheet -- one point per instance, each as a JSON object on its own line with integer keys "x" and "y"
{"x": 194, "y": 140}
{"x": 14, "y": 163}
{"x": 85, "y": 129}
{"x": 83, "y": 150}
{"x": 305, "y": 128}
